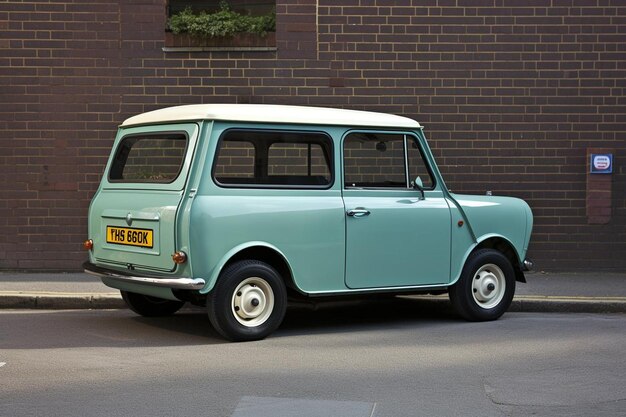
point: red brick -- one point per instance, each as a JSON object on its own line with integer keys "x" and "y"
{"x": 526, "y": 86}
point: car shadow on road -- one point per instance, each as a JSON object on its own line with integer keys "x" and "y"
{"x": 190, "y": 323}
{"x": 368, "y": 314}
{"x": 122, "y": 328}
{"x": 38, "y": 329}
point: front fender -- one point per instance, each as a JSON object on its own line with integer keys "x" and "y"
{"x": 483, "y": 242}
{"x": 491, "y": 218}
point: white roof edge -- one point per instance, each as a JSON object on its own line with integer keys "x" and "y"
{"x": 270, "y": 113}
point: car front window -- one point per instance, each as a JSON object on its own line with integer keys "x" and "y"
{"x": 383, "y": 160}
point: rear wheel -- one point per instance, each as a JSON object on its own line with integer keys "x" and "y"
{"x": 148, "y": 306}
{"x": 248, "y": 302}
{"x": 486, "y": 286}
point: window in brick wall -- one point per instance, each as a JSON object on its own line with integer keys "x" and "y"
{"x": 381, "y": 160}
{"x": 232, "y": 23}
{"x": 274, "y": 159}
{"x": 247, "y": 7}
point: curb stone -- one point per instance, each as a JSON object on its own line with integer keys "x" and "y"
{"x": 569, "y": 304}
{"x": 545, "y": 304}
{"x": 527, "y": 304}
{"x": 59, "y": 301}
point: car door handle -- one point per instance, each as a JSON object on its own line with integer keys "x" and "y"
{"x": 358, "y": 213}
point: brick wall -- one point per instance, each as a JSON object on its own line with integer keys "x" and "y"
{"x": 512, "y": 94}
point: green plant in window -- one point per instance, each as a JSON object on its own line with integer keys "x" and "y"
{"x": 223, "y": 23}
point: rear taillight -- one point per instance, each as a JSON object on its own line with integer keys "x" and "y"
{"x": 88, "y": 244}
{"x": 179, "y": 257}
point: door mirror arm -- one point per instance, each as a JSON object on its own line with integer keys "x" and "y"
{"x": 418, "y": 185}
{"x": 420, "y": 189}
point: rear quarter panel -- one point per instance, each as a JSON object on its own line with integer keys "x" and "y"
{"x": 306, "y": 226}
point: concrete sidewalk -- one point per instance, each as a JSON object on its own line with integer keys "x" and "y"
{"x": 544, "y": 292}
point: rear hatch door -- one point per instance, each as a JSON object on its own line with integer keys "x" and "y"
{"x": 133, "y": 216}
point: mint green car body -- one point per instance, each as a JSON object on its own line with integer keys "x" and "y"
{"x": 407, "y": 244}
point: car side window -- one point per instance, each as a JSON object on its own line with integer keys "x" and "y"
{"x": 274, "y": 159}
{"x": 383, "y": 160}
{"x": 417, "y": 164}
{"x": 235, "y": 160}
{"x": 301, "y": 159}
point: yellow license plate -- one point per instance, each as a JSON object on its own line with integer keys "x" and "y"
{"x": 130, "y": 236}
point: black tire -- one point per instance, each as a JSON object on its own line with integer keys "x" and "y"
{"x": 231, "y": 305}
{"x": 478, "y": 294}
{"x": 147, "y": 306}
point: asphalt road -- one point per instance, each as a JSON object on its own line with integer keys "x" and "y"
{"x": 362, "y": 360}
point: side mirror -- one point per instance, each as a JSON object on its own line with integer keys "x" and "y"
{"x": 419, "y": 185}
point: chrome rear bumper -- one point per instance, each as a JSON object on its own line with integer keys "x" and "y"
{"x": 154, "y": 281}
{"x": 528, "y": 265}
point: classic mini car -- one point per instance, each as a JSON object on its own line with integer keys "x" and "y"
{"x": 235, "y": 207}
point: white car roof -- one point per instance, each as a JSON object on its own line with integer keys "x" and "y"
{"x": 267, "y": 113}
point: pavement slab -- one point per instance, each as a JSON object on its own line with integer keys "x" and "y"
{"x": 577, "y": 292}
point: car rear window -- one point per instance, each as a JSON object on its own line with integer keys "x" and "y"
{"x": 149, "y": 158}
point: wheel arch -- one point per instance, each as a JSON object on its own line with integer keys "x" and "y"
{"x": 505, "y": 247}
{"x": 502, "y": 245}
{"x": 259, "y": 251}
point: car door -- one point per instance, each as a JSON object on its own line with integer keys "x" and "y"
{"x": 396, "y": 235}
{"x": 132, "y": 218}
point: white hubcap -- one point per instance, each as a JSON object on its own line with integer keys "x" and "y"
{"x": 488, "y": 286}
{"x": 253, "y": 302}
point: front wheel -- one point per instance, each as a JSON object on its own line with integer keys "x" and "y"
{"x": 147, "y": 306}
{"x": 248, "y": 302}
{"x": 486, "y": 286}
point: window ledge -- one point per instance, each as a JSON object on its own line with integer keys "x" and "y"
{"x": 219, "y": 48}
{"x": 240, "y": 42}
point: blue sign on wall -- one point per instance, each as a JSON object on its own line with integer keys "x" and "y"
{"x": 601, "y": 163}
